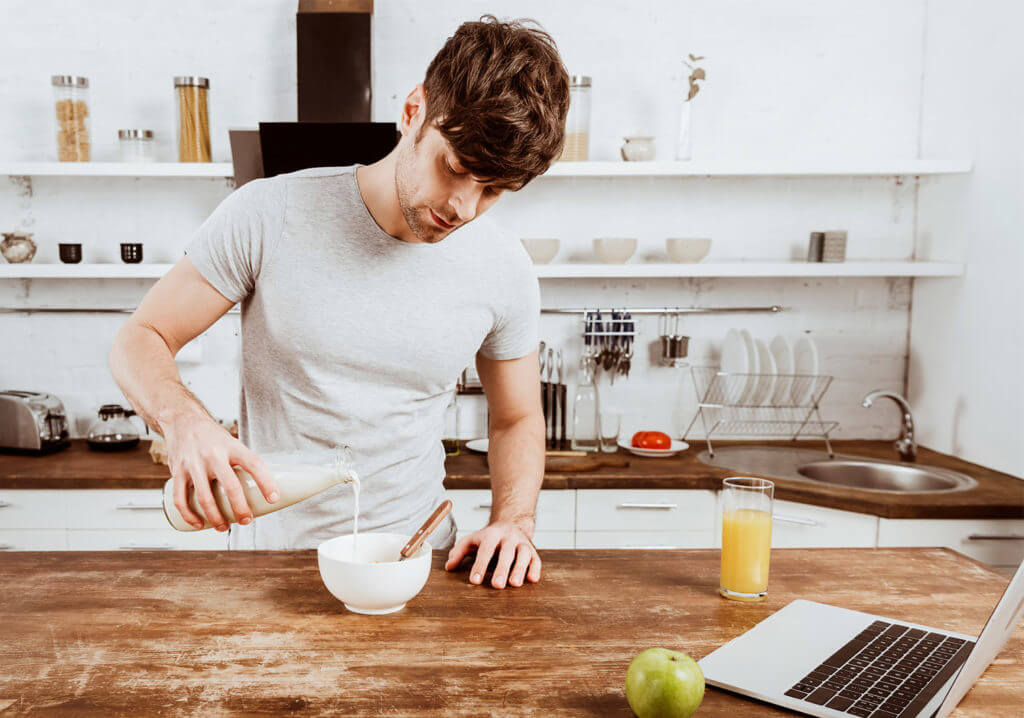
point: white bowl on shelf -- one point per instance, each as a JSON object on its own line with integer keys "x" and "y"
{"x": 615, "y": 250}
{"x": 374, "y": 581}
{"x": 541, "y": 249}
{"x": 687, "y": 250}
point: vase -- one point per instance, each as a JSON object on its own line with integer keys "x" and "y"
{"x": 683, "y": 139}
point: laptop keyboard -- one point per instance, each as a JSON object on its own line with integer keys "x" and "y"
{"x": 886, "y": 671}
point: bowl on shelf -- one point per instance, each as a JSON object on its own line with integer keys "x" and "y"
{"x": 131, "y": 252}
{"x": 687, "y": 250}
{"x": 373, "y": 580}
{"x": 70, "y": 253}
{"x": 18, "y": 247}
{"x": 541, "y": 250}
{"x": 615, "y": 250}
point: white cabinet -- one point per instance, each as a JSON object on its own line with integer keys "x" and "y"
{"x": 165, "y": 539}
{"x": 116, "y": 509}
{"x": 645, "y": 518}
{"x": 33, "y": 540}
{"x": 999, "y": 542}
{"x": 556, "y": 510}
{"x": 33, "y": 509}
{"x": 801, "y": 526}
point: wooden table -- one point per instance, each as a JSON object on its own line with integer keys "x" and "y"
{"x": 204, "y": 633}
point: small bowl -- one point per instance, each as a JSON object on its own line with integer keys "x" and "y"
{"x": 18, "y": 247}
{"x": 687, "y": 250}
{"x": 368, "y": 587}
{"x": 131, "y": 253}
{"x": 541, "y": 251}
{"x": 637, "y": 149}
{"x": 70, "y": 253}
{"x": 614, "y": 250}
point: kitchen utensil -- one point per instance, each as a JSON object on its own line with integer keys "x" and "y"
{"x": 614, "y": 250}
{"x": 131, "y": 253}
{"x": 687, "y": 250}
{"x": 541, "y": 250}
{"x": 372, "y": 581}
{"x": 562, "y": 392}
{"x": 112, "y": 430}
{"x": 70, "y": 253}
{"x": 782, "y": 352}
{"x": 32, "y": 423}
{"x": 806, "y": 363}
{"x": 627, "y": 357}
{"x": 18, "y": 247}
{"x": 550, "y": 399}
{"x": 545, "y": 409}
{"x": 677, "y": 446}
{"x": 432, "y": 522}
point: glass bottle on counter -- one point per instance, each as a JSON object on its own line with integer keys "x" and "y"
{"x": 585, "y": 424}
{"x": 577, "y": 122}
{"x": 193, "y": 126}
{"x": 71, "y": 103}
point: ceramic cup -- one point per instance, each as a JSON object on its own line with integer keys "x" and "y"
{"x": 637, "y": 149}
{"x": 687, "y": 250}
{"x": 541, "y": 250}
{"x": 365, "y": 586}
{"x": 614, "y": 250}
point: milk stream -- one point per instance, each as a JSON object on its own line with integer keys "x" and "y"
{"x": 355, "y": 516}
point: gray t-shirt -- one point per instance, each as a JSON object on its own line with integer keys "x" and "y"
{"x": 351, "y": 336}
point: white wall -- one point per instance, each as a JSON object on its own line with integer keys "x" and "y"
{"x": 967, "y": 335}
{"x": 786, "y": 81}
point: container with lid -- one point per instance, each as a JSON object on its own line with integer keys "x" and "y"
{"x": 136, "y": 145}
{"x": 112, "y": 431}
{"x": 193, "y": 126}
{"x": 577, "y": 122}
{"x": 71, "y": 102}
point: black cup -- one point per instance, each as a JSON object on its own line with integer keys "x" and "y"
{"x": 131, "y": 253}
{"x": 70, "y": 253}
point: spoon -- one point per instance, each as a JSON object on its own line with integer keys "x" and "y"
{"x": 426, "y": 529}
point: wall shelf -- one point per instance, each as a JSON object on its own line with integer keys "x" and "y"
{"x": 560, "y": 271}
{"x": 118, "y": 169}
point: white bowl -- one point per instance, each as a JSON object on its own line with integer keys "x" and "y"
{"x": 614, "y": 250}
{"x": 686, "y": 250}
{"x": 541, "y": 251}
{"x": 368, "y": 587}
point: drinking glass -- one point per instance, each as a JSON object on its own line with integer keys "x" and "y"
{"x": 609, "y": 421}
{"x": 746, "y": 537}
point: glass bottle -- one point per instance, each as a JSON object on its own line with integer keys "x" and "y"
{"x": 584, "y": 412}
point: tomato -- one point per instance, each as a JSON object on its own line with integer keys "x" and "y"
{"x": 651, "y": 440}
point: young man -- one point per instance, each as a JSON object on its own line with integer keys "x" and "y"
{"x": 365, "y": 291}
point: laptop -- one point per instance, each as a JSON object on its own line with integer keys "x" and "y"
{"x": 822, "y": 660}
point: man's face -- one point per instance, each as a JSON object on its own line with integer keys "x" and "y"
{"x": 436, "y": 193}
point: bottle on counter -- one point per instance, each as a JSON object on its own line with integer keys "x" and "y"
{"x": 299, "y": 475}
{"x": 71, "y": 100}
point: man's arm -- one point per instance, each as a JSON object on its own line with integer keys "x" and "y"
{"x": 515, "y": 455}
{"x": 178, "y": 308}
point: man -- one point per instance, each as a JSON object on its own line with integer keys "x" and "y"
{"x": 365, "y": 291}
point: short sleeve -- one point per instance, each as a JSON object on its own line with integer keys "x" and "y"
{"x": 516, "y": 324}
{"x": 230, "y": 247}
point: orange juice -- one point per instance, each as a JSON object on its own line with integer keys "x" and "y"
{"x": 746, "y": 542}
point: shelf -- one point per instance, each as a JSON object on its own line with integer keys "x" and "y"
{"x": 753, "y": 269}
{"x": 117, "y": 169}
{"x": 559, "y": 271}
{"x": 741, "y": 168}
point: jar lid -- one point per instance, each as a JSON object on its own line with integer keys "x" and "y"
{"x": 191, "y": 81}
{"x": 579, "y": 80}
{"x": 135, "y": 134}
{"x": 69, "y": 81}
{"x": 110, "y": 410}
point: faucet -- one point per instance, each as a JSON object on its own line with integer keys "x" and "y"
{"x": 905, "y": 445}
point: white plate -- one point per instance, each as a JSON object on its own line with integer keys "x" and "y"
{"x": 677, "y": 446}
{"x": 477, "y": 445}
{"x": 750, "y": 385}
{"x": 805, "y": 362}
{"x": 736, "y": 359}
{"x": 782, "y": 352}
{"x": 765, "y": 386}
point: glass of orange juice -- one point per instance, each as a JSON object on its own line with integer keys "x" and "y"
{"x": 746, "y": 537}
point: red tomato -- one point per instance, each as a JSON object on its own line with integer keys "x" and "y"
{"x": 651, "y": 440}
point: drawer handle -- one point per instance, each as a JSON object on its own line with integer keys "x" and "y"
{"x": 5, "y": 504}
{"x": 994, "y": 537}
{"x": 137, "y": 507}
{"x": 663, "y": 507}
{"x": 795, "y": 520}
{"x": 144, "y": 547}
{"x": 483, "y": 506}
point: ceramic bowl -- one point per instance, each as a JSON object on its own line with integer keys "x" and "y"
{"x": 614, "y": 250}
{"x": 17, "y": 248}
{"x": 368, "y": 587}
{"x": 541, "y": 251}
{"x": 687, "y": 249}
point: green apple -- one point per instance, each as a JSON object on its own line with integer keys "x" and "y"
{"x": 664, "y": 684}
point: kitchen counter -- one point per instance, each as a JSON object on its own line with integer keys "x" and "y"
{"x": 997, "y": 495}
{"x": 212, "y": 633}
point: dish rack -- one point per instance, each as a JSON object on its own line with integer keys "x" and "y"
{"x": 744, "y": 405}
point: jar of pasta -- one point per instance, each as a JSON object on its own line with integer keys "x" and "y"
{"x": 71, "y": 100}
{"x": 577, "y": 122}
{"x": 193, "y": 127}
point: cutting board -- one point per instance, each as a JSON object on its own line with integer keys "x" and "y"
{"x": 588, "y": 462}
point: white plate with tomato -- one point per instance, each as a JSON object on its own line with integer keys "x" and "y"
{"x": 653, "y": 444}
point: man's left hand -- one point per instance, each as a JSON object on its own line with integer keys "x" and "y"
{"x": 511, "y": 544}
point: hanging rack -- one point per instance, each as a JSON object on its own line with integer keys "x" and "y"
{"x": 771, "y": 309}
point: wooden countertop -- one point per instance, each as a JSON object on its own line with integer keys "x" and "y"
{"x": 997, "y": 495}
{"x": 214, "y": 633}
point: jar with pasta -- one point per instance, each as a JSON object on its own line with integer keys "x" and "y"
{"x": 71, "y": 101}
{"x": 193, "y": 127}
{"x": 577, "y": 122}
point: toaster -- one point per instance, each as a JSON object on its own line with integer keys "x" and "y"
{"x": 32, "y": 423}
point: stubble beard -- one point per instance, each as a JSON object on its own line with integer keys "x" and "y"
{"x": 427, "y": 233}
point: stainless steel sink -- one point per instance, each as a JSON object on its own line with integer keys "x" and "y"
{"x": 853, "y": 472}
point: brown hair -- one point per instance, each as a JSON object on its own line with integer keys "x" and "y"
{"x": 498, "y": 93}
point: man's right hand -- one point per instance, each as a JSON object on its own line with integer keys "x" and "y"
{"x": 199, "y": 448}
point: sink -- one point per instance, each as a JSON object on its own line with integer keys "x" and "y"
{"x": 853, "y": 472}
{"x": 877, "y": 476}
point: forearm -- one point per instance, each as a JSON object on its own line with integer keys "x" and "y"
{"x": 515, "y": 456}
{"x": 143, "y": 366}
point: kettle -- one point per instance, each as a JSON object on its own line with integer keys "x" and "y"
{"x": 113, "y": 431}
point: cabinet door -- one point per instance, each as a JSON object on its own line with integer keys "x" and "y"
{"x": 645, "y": 518}
{"x": 165, "y": 539}
{"x": 801, "y": 526}
{"x": 999, "y": 542}
{"x": 33, "y": 509}
{"x": 472, "y": 508}
{"x": 544, "y": 539}
{"x": 33, "y": 540}
{"x": 644, "y": 539}
{"x": 116, "y": 509}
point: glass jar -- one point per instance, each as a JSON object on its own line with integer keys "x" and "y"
{"x": 577, "y": 122}
{"x": 193, "y": 126}
{"x": 112, "y": 431}
{"x": 136, "y": 145}
{"x": 71, "y": 102}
